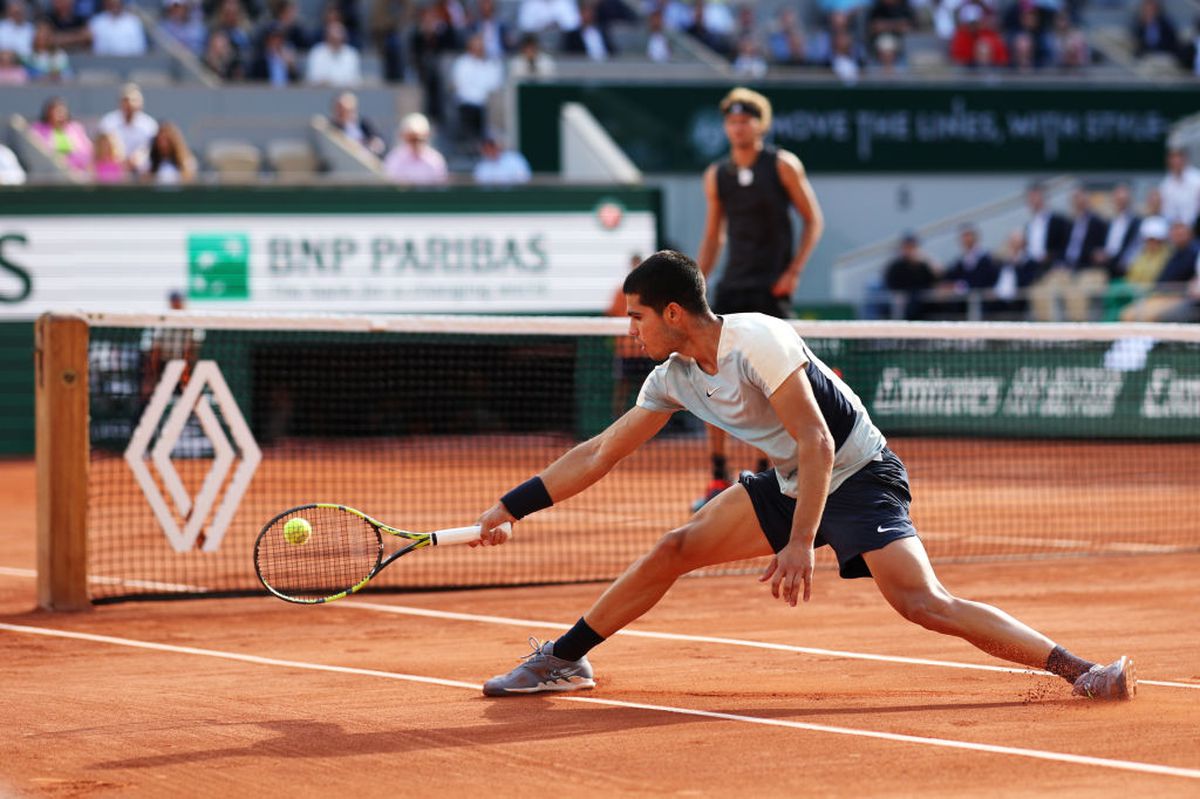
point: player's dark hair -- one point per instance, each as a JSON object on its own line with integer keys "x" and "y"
{"x": 666, "y": 277}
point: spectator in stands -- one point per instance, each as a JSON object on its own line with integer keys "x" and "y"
{"x": 432, "y": 37}
{"x": 71, "y": 30}
{"x": 1121, "y": 240}
{"x": 589, "y": 38}
{"x": 117, "y": 31}
{"x": 475, "y": 78}
{"x": 182, "y": 21}
{"x": 345, "y": 118}
{"x": 785, "y": 42}
{"x": 231, "y": 21}
{"x": 16, "y": 31}
{"x": 537, "y": 16}
{"x": 887, "y": 57}
{"x": 909, "y": 277}
{"x": 1046, "y": 232}
{"x": 972, "y": 272}
{"x": 334, "y": 62}
{"x": 749, "y": 62}
{"x": 1177, "y": 289}
{"x": 1180, "y": 187}
{"x": 171, "y": 161}
{"x": 976, "y": 43}
{"x": 64, "y": 136}
{"x": 890, "y": 17}
{"x": 497, "y": 37}
{"x": 531, "y": 61}
{"x": 276, "y": 62}
{"x": 346, "y": 13}
{"x": 12, "y": 71}
{"x": 1148, "y": 261}
{"x": 387, "y": 22}
{"x": 11, "y": 171}
{"x": 1189, "y": 50}
{"x": 222, "y": 59}
{"x": 658, "y": 46}
{"x": 500, "y": 166}
{"x": 1153, "y": 31}
{"x": 1029, "y": 39}
{"x": 413, "y": 160}
{"x": 108, "y": 159}
{"x": 285, "y": 15}
{"x": 133, "y": 126}
{"x": 1075, "y": 279}
{"x": 846, "y": 60}
{"x": 1069, "y": 44}
{"x": 706, "y": 29}
{"x": 1017, "y": 272}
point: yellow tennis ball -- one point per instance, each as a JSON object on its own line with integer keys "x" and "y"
{"x": 297, "y": 531}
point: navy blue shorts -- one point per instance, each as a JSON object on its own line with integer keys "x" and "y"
{"x": 867, "y": 512}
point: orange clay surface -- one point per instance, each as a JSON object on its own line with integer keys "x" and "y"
{"x": 100, "y": 718}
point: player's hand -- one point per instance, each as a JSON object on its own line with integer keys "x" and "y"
{"x": 788, "y": 571}
{"x": 785, "y": 286}
{"x": 491, "y": 532}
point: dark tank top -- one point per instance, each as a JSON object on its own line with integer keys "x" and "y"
{"x": 758, "y": 228}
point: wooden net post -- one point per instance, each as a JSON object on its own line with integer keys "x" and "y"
{"x": 61, "y": 373}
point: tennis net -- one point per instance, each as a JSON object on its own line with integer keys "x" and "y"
{"x": 1020, "y": 440}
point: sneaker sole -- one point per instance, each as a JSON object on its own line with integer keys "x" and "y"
{"x": 1130, "y": 681}
{"x": 559, "y": 686}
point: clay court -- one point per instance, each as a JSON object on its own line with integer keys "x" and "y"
{"x": 718, "y": 691}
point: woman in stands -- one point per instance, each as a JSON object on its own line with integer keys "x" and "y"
{"x": 171, "y": 162}
{"x": 64, "y": 136}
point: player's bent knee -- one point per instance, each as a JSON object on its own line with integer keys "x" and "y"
{"x": 933, "y": 611}
{"x": 668, "y": 554}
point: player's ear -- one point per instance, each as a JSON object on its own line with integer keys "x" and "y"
{"x": 672, "y": 313}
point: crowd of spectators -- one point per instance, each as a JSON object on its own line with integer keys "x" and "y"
{"x": 1103, "y": 259}
{"x": 128, "y": 145}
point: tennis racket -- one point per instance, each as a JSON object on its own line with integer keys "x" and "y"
{"x": 322, "y": 552}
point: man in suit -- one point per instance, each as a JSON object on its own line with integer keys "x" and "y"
{"x": 1121, "y": 241}
{"x": 1071, "y": 277}
{"x": 971, "y": 273}
{"x": 590, "y": 38}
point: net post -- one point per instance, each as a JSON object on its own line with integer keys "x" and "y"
{"x": 61, "y": 377}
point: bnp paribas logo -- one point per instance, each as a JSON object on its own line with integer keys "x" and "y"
{"x": 218, "y": 266}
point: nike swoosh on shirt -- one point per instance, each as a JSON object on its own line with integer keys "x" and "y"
{"x": 882, "y": 529}
{"x": 710, "y": 393}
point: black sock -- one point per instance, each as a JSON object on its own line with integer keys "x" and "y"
{"x": 1066, "y": 665}
{"x": 577, "y": 641}
{"x": 763, "y": 465}
{"x": 720, "y": 470}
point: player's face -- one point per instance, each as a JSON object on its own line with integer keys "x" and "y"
{"x": 742, "y": 129}
{"x": 657, "y": 337}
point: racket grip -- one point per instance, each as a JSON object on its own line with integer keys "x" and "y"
{"x": 462, "y": 535}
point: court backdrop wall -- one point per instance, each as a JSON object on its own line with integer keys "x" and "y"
{"x": 363, "y": 250}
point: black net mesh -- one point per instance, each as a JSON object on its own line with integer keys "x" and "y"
{"x": 200, "y": 436}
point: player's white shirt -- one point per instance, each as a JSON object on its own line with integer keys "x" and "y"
{"x": 755, "y": 354}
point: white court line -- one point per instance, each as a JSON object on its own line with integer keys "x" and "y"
{"x": 708, "y": 639}
{"x": 703, "y": 639}
{"x": 947, "y": 743}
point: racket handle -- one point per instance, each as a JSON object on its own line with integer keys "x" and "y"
{"x": 462, "y": 535}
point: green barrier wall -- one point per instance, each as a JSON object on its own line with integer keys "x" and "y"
{"x": 926, "y": 129}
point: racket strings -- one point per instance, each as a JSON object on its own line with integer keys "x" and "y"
{"x": 339, "y": 552}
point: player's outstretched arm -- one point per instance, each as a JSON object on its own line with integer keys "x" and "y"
{"x": 578, "y": 468}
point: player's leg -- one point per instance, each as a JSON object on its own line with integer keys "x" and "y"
{"x": 726, "y": 529}
{"x": 907, "y": 581}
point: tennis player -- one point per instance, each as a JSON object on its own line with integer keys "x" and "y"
{"x": 834, "y": 482}
{"x": 749, "y": 197}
